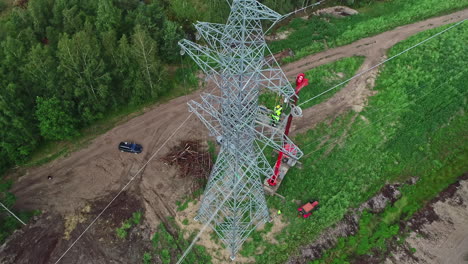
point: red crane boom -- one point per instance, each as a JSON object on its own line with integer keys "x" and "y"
{"x": 301, "y": 82}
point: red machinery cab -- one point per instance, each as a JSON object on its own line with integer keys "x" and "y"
{"x": 306, "y": 210}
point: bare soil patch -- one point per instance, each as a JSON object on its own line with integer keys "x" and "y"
{"x": 45, "y": 243}
{"x": 337, "y": 11}
{"x": 439, "y": 231}
{"x": 208, "y": 238}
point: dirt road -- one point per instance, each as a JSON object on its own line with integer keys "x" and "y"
{"x": 99, "y": 171}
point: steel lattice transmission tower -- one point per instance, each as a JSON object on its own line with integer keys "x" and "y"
{"x": 234, "y": 59}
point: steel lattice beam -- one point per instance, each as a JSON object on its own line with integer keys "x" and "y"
{"x": 234, "y": 59}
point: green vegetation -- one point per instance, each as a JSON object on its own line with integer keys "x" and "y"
{"x": 67, "y": 64}
{"x": 414, "y": 125}
{"x": 377, "y": 232}
{"x": 319, "y": 33}
{"x": 169, "y": 246}
{"x": 212, "y": 150}
{"x": 8, "y": 223}
{"x": 249, "y": 248}
{"x": 182, "y": 206}
{"x": 147, "y": 257}
{"x": 372, "y": 233}
{"x": 122, "y": 231}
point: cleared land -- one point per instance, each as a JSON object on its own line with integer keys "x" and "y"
{"x": 90, "y": 177}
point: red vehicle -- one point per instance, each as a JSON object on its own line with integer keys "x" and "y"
{"x": 306, "y": 210}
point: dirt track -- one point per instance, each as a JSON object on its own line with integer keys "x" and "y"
{"x": 99, "y": 171}
{"x": 441, "y": 236}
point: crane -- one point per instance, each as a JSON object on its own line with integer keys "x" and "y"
{"x": 284, "y": 162}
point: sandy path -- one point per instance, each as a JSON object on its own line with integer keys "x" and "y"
{"x": 444, "y": 241}
{"x": 100, "y": 169}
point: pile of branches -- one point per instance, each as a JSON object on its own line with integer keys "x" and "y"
{"x": 192, "y": 159}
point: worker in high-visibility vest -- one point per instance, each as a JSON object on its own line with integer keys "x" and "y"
{"x": 276, "y": 115}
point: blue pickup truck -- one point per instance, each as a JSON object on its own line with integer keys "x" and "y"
{"x": 130, "y": 147}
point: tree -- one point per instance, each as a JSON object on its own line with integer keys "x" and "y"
{"x": 41, "y": 11}
{"x": 17, "y": 129}
{"x": 172, "y": 34}
{"x": 40, "y": 69}
{"x": 85, "y": 72}
{"x": 149, "y": 17}
{"x": 18, "y": 134}
{"x": 55, "y": 121}
{"x": 125, "y": 68}
{"x": 108, "y": 16}
{"x": 150, "y": 70}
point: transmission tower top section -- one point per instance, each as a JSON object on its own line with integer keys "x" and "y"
{"x": 238, "y": 47}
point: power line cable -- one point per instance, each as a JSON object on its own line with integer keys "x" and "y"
{"x": 377, "y": 109}
{"x": 283, "y": 17}
{"x": 183, "y": 123}
{"x": 389, "y": 59}
{"x": 126, "y": 185}
{"x": 377, "y": 121}
{"x": 225, "y": 199}
{"x": 17, "y": 218}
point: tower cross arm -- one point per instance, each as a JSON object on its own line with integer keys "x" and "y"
{"x": 205, "y": 57}
{"x": 275, "y": 80}
{"x": 207, "y": 113}
{"x": 218, "y": 36}
{"x": 280, "y": 142}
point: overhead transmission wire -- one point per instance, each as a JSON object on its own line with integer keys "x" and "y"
{"x": 283, "y": 17}
{"x": 389, "y": 59}
{"x": 375, "y": 110}
{"x": 355, "y": 76}
{"x": 126, "y": 185}
{"x": 227, "y": 197}
{"x": 380, "y": 119}
{"x": 8, "y": 210}
{"x": 131, "y": 179}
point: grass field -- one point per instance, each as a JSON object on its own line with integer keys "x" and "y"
{"x": 320, "y": 79}
{"x": 414, "y": 126}
{"x": 318, "y": 33}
